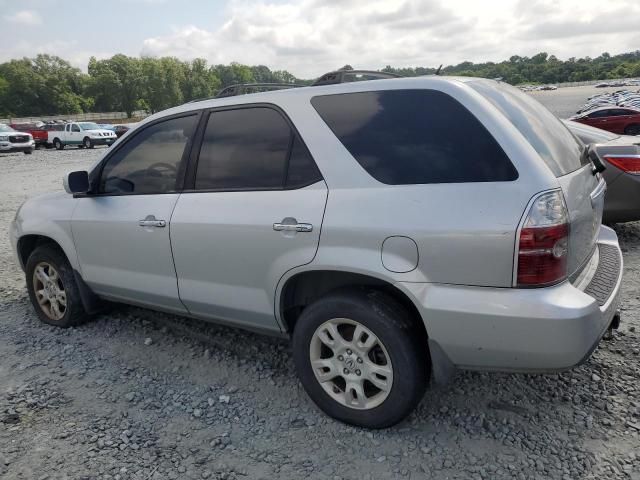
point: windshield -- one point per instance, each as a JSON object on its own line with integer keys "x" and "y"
{"x": 5, "y": 128}
{"x": 556, "y": 145}
{"x": 89, "y": 126}
{"x": 590, "y": 134}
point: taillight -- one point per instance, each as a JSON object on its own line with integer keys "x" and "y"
{"x": 626, "y": 163}
{"x": 543, "y": 246}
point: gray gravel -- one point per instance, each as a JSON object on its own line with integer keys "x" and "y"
{"x": 142, "y": 395}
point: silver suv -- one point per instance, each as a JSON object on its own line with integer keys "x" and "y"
{"x": 395, "y": 230}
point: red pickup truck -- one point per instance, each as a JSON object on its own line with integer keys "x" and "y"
{"x": 37, "y": 131}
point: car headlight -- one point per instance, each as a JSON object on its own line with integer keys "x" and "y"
{"x": 4, "y": 138}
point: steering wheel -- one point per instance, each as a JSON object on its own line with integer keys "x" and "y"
{"x": 158, "y": 167}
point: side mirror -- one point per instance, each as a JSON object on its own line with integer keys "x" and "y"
{"x": 76, "y": 182}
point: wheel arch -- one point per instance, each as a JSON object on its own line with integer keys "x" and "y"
{"x": 303, "y": 287}
{"x": 29, "y": 242}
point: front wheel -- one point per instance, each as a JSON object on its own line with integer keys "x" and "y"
{"x": 52, "y": 288}
{"x": 87, "y": 143}
{"x": 28, "y": 151}
{"x": 361, "y": 357}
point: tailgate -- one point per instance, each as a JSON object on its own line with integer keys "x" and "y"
{"x": 584, "y": 196}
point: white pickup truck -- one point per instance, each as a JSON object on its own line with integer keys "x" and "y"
{"x": 82, "y": 134}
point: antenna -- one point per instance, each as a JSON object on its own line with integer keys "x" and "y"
{"x": 438, "y": 70}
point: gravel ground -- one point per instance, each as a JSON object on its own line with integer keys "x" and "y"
{"x": 142, "y": 395}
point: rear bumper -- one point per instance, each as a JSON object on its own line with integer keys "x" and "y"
{"x": 511, "y": 329}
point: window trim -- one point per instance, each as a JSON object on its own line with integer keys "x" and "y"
{"x": 96, "y": 173}
{"x": 192, "y": 168}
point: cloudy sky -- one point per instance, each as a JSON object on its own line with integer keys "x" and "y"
{"x": 308, "y": 37}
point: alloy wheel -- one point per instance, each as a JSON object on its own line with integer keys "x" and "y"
{"x": 49, "y": 291}
{"x": 351, "y": 364}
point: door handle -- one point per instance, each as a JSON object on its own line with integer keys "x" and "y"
{"x": 293, "y": 227}
{"x": 151, "y": 221}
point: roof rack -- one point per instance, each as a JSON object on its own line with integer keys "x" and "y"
{"x": 341, "y": 76}
{"x": 331, "y": 78}
{"x": 242, "y": 88}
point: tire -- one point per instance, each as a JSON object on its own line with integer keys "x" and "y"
{"x": 58, "y": 144}
{"x": 29, "y": 151}
{"x": 48, "y": 259}
{"x": 398, "y": 342}
{"x": 87, "y": 143}
{"x": 632, "y": 130}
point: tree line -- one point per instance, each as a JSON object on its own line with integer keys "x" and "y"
{"x": 47, "y": 84}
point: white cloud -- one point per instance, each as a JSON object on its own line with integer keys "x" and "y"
{"x": 308, "y": 37}
{"x": 25, "y": 17}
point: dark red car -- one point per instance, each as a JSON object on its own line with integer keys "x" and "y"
{"x": 37, "y": 131}
{"x": 620, "y": 120}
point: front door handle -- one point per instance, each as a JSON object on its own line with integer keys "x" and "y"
{"x": 150, "y": 221}
{"x": 293, "y": 227}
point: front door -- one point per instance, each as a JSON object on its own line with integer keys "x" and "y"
{"x": 121, "y": 231}
{"x": 253, "y": 212}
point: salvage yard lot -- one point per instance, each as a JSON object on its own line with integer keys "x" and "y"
{"x": 141, "y": 395}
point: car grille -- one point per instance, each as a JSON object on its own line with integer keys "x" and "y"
{"x": 18, "y": 138}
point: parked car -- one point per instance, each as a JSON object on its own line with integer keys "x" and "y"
{"x": 121, "y": 130}
{"x": 612, "y": 119}
{"x": 81, "y": 134}
{"x": 13, "y": 141}
{"x": 36, "y": 130}
{"x": 352, "y": 219}
{"x": 621, "y": 154}
{"x": 106, "y": 126}
{"x": 53, "y": 127}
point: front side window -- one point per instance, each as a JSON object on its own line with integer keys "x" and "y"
{"x": 403, "y": 137}
{"x": 251, "y": 149}
{"x": 75, "y": 128}
{"x": 149, "y": 162}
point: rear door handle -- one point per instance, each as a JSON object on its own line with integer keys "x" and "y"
{"x": 151, "y": 221}
{"x": 293, "y": 227}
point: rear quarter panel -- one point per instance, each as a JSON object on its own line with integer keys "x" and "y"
{"x": 465, "y": 232}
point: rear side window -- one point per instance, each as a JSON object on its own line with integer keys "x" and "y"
{"x": 403, "y": 137}
{"x": 252, "y": 149}
{"x": 556, "y": 145}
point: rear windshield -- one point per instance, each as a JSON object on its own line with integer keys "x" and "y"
{"x": 403, "y": 137}
{"x": 558, "y": 147}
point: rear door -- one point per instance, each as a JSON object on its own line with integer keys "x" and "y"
{"x": 563, "y": 153}
{"x": 252, "y": 211}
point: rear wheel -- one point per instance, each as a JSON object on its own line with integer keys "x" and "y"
{"x": 632, "y": 130}
{"x": 359, "y": 356}
{"x": 58, "y": 144}
{"x": 52, "y": 288}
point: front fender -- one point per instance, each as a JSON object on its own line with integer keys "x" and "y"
{"x": 47, "y": 216}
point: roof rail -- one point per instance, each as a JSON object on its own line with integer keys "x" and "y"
{"x": 242, "y": 88}
{"x": 341, "y": 76}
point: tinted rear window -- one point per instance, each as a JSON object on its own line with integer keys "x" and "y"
{"x": 405, "y": 137}
{"x": 558, "y": 147}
